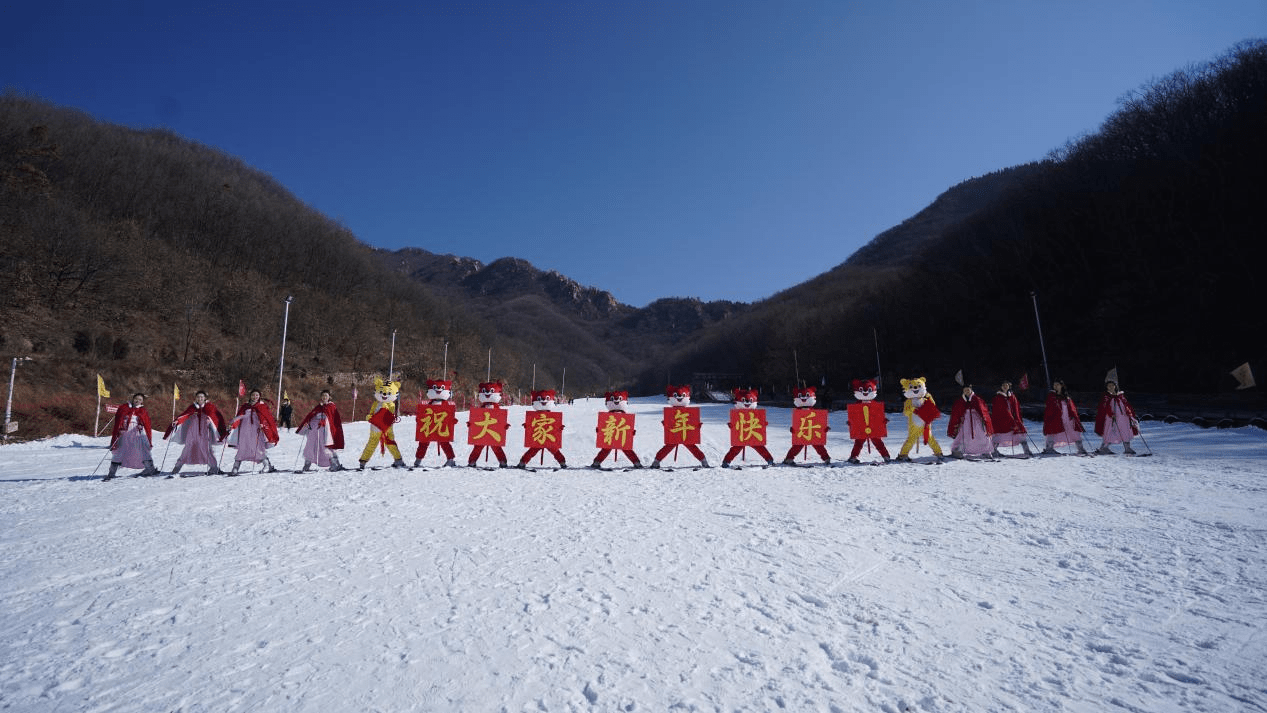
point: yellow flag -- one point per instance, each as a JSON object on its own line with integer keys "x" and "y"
{"x": 101, "y": 388}
{"x": 175, "y": 392}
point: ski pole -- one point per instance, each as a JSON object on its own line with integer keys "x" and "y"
{"x": 103, "y": 460}
{"x": 163, "y": 463}
{"x": 1141, "y": 440}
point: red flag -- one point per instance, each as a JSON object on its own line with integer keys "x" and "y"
{"x": 1024, "y": 382}
{"x": 241, "y": 388}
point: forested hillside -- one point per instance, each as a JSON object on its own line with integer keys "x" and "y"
{"x": 154, "y": 260}
{"x": 1136, "y": 239}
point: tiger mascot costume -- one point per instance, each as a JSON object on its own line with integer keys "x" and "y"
{"x": 382, "y": 418}
{"x": 920, "y": 410}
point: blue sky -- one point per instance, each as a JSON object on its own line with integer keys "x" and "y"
{"x": 720, "y": 150}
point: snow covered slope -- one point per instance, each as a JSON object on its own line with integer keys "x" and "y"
{"x": 1055, "y": 584}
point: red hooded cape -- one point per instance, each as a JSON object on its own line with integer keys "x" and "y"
{"x": 960, "y": 410}
{"x": 1006, "y": 413}
{"x": 121, "y": 417}
{"x": 333, "y": 420}
{"x": 208, "y": 410}
{"x": 265, "y": 414}
{"x": 1102, "y": 413}
{"x": 1052, "y": 423}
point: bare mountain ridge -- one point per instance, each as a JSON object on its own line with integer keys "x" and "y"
{"x": 497, "y": 286}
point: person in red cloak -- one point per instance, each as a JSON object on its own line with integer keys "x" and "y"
{"x": 1009, "y": 427}
{"x": 1115, "y": 420}
{"x": 254, "y": 432}
{"x": 970, "y": 426}
{"x": 322, "y": 429}
{"x": 1061, "y": 424}
{"x": 131, "y": 438}
{"x": 198, "y": 429}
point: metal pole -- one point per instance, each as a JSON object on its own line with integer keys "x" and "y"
{"x": 879, "y": 373}
{"x": 8, "y": 406}
{"x": 391, "y": 365}
{"x": 1034, "y": 296}
{"x": 282, "y": 366}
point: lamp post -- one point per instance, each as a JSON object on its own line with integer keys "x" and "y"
{"x": 282, "y": 366}
{"x": 8, "y": 406}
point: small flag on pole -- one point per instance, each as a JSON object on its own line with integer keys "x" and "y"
{"x": 241, "y": 388}
{"x": 101, "y": 388}
{"x": 959, "y": 377}
{"x": 1111, "y": 376}
{"x": 1244, "y": 377}
{"x": 1025, "y": 382}
{"x": 175, "y": 392}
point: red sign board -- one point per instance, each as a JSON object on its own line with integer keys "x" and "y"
{"x": 681, "y": 426}
{"x": 809, "y": 427}
{"x": 866, "y": 421}
{"x": 543, "y": 429}
{"x": 435, "y": 423}
{"x": 487, "y": 427}
{"x": 747, "y": 427}
{"x": 615, "y": 430}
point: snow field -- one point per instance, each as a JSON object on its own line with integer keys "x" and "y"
{"x": 1052, "y": 584}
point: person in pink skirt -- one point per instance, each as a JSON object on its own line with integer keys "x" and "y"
{"x": 322, "y": 430}
{"x": 199, "y": 428}
{"x": 254, "y": 432}
{"x": 1061, "y": 424}
{"x": 1115, "y": 420}
{"x": 1009, "y": 427}
{"x": 131, "y": 438}
{"x": 970, "y": 426}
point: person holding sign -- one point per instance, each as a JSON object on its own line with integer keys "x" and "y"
{"x": 434, "y": 422}
{"x": 681, "y": 426}
{"x": 487, "y": 425}
{"x": 809, "y": 426}
{"x": 543, "y": 429}
{"x": 615, "y": 430}
{"x": 747, "y": 427}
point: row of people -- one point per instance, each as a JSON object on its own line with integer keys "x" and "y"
{"x": 976, "y": 429}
